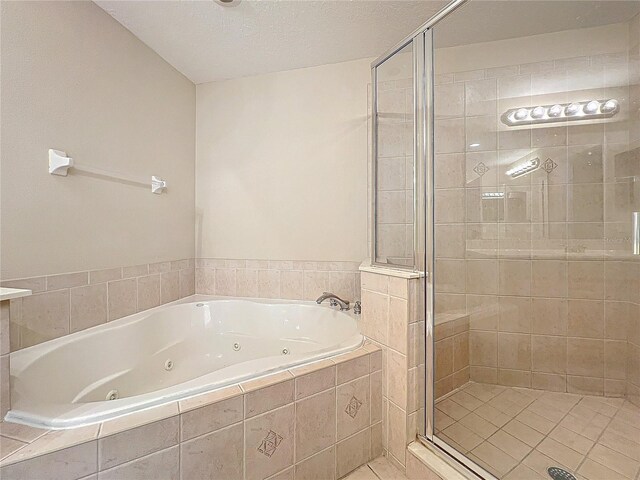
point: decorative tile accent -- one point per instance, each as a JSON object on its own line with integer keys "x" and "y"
{"x": 353, "y": 406}
{"x": 481, "y": 169}
{"x": 270, "y": 443}
{"x": 549, "y": 165}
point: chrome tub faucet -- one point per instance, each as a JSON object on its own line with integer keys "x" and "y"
{"x": 334, "y": 300}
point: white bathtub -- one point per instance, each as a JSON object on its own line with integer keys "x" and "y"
{"x": 169, "y": 353}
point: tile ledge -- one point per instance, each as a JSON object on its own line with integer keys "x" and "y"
{"x": 390, "y": 271}
{"x": 438, "y": 463}
{"x": 11, "y": 293}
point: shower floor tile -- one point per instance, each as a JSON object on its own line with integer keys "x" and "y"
{"x": 518, "y": 433}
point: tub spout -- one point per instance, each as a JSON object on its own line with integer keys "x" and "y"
{"x": 334, "y": 300}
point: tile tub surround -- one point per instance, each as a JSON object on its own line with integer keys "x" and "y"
{"x": 393, "y": 318}
{"x": 533, "y": 275}
{"x": 284, "y": 279}
{"x": 67, "y": 303}
{"x": 321, "y": 420}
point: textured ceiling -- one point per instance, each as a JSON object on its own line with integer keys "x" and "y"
{"x": 206, "y": 41}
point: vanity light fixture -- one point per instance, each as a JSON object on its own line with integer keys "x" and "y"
{"x": 522, "y": 168}
{"x": 588, "y": 110}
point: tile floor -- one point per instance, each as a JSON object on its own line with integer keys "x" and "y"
{"x": 378, "y": 469}
{"x": 517, "y": 433}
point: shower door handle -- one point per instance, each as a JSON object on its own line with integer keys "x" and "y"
{"x": 635, "y": 232}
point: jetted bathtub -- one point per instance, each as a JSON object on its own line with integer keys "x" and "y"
{"x": 169, "y": 353}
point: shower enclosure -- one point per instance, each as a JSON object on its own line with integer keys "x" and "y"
{"x": 505, "y": 170}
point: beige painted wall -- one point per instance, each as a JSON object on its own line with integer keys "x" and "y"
{"x": 281, "y": 165}
{"x": 82, "y": 83}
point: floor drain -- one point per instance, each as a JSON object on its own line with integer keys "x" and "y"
{"x": 559, "y": 474}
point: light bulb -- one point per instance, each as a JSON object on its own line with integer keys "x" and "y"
{"x": 521, "y": 114}
{"x": 591, "y": 107}
{"x": 609, "y": 106}
{"x": 538, "y": 112}
{"x": 555, "y": 111}
{"x": 572, "y": 109}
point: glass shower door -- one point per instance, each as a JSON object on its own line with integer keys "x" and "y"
{"x": 535, "y": 306}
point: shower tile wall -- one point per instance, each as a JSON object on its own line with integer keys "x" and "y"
{"x": 395, "y": 172}
{"x": 546, "y": 308}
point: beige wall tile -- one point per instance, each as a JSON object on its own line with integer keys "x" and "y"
{"x": 319, "y": 466}
{"x": 549, "y": 316}
{"x": 585, "y": 357}
{"x": 514, "y": 378}
{"x": 483, "y": 348}
{"x": 4, "y": 327}
{"x": 585, "y": 385}
{"x": 348, "y": 368}
{"x": 617, "y": 320}
{"x": 160, "y": 267}
{"x": 514, "y": 351}
{"x": 460, "y": 351}
{"x": 314, "y": 382}
{"x": 148, "y": 292}
{"x": 398, "y": 324}
{"x": 482, "y": 277}
{"x": 353, "y": 407}
{"x": 44, "y": 316}
{"x": 353, "y": 452}
{"x": 187, "y": 282}
{"x": 314, "y": 283}
{"x": 67, "y": 280}
{"x": 170, "y": 286}
{"x": 211, "y": 417}
{"x": 548, "y": 354}
{"x": 267, "y": 398}
{"x": 586, "y": 280}
{"x": 135, "y": 271}
{"x": 262, "y": 434}
{"x": 586, "y": 319}
{"x": 103, "y": 276}
{"x": 615, "y": 360}
{"x": 74, "y": 462}
{"x": 397, "y": 368}
{"x": 269, "y": 284}
{"x": 87, "y": 306}
{"x": 291, "y": 284}
{"x": 375, "y": 314}
{"x": 131, "y": 444}
{"x": 397, "y": 432}
{"x": 35, "y": 284}
{"x": 205, "y": 281}
{"x": 215, "y": 455}
{"x": 162, "y": 464}
{"x": 515, "y": 314}
{"x": 549, "y": 278}
{"x": 621, "y": 281}
{"x": 315, "y": 424}
{"x": 122, "y": 298}
{"x": 375, "y": 380}
{"x": 5, "y": 391}
{"x": 374, "y": 282}
{"x": 549, "y": 381}
{"x": 515, "y": 277}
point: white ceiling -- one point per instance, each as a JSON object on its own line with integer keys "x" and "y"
{"x": 206, "y": 41}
